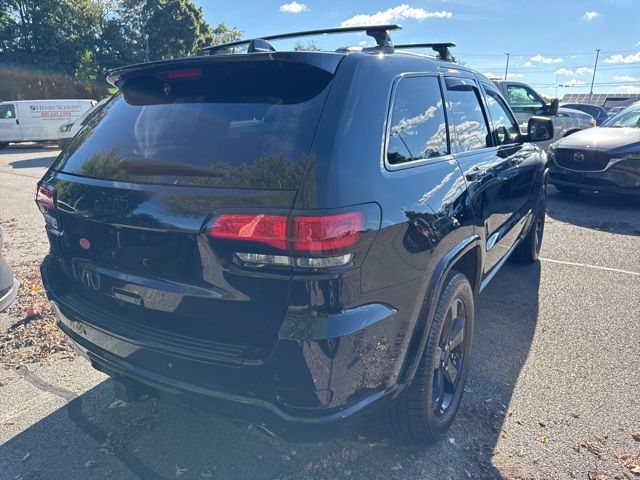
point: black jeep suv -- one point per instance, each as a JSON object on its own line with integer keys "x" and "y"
{"x": 294, "y": 239}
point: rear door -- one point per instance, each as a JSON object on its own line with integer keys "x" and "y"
{"x": 487, "y": 170}
{"x": 9, "y": 123}
{"x": 138, "y": 187}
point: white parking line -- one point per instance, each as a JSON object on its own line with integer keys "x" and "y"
{"x": 596, "y": 267}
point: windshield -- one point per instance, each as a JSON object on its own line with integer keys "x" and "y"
{"x": 628, "y": 118}
{"x": 220, "y": 129}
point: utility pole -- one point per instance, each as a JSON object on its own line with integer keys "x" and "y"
{"x": 595, "y": 67}
{"x": 506, "y": 70}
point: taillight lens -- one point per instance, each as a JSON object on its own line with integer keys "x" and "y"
{"x": 266, "y": 229}
{"x": 302, "y": 241}
{"x": 325, "y": 233}
{"x": 46, "y": 201}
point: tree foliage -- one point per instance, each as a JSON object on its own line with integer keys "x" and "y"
{"x": 82, "y": 39}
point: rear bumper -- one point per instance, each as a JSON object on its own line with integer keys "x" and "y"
{"x": 9, "y": 296}
{"x": 99, "y": 346}
{"x": 621, "y": 178}
{"x": 307, "y": 388}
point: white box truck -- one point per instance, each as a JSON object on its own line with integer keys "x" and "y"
{"x": 37, "y": 120}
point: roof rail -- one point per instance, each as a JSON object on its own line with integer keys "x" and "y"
{"x": 379, "y": 32}
{"x": 442, "y": 49}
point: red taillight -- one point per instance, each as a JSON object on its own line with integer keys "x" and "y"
{"x": 186, "y": 74}
{"x": 267, "y": 229}
{"x": 307, "y": 234}
{"x": 325, "y": 233}
{"x": 46, "y": 199}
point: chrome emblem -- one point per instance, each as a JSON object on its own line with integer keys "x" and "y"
{"x": 86, "y": 276}
{"x": 578, "y": 156}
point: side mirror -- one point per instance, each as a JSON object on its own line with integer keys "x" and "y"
{"x": 551, "y": 109}
{"x": 539, "y": 129}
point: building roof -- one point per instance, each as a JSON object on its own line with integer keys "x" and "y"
{"x": 605, "y": 100}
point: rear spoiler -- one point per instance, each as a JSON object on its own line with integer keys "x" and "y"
{"x": 327, "y": 61}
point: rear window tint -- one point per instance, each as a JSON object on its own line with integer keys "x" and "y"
{"x": 240, "y": 124}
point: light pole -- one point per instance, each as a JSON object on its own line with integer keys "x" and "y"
{"x": 506, "y": 70}
{"x": 593, "y": 79}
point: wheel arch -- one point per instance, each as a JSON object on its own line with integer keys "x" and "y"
{"x": 465, "y": 257}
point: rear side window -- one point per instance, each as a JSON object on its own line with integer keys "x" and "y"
{"x": 418, "y": 130}
{"x": 244, "y": 124}
{"x": 467, "y": 122}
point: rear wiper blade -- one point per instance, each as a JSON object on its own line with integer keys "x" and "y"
{"x": 162, "y": 167}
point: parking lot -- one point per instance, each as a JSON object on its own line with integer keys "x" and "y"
{"x": 553, "y": 390}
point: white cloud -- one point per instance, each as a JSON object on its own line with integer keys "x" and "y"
{"x": 574, "y": 82}
{"x": 583, "y": 71}
{"x": 401, "y": 12}
{"x": 633, "y": 58}
{"x": 515, "y": 75}
{"x": 527, "y": 64}
{"x": 564, "y": 71}
{"x": 628, "y": 89}
{"x": 626, "y": 78}
{"x": 541, "y": 59}
{"x": 590, "y": 15}
{"x": 294, "y": 7}
{"x": 363, "y": 43}
{"x": 491, "y": 75}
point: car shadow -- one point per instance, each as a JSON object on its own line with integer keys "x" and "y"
{"x": 33, "y": 163}
{"x": 95, "y": 437}
{"x": 596, "y": 210}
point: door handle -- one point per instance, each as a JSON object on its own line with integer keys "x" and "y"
{"x": 17, "y": 121}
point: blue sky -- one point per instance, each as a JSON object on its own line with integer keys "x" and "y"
{"x": 551, "y": 42}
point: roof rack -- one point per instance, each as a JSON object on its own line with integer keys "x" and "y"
{"x": 379, "y": 32}
{"x": 442, "y": 49}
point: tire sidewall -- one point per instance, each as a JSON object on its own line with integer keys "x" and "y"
{"x": 457, "y": 286}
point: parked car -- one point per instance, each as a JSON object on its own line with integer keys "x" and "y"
{"x": 70, "y": 128}
{"x": 613, "y": 111}
{"x": 606, "y": 158}
{"x": 299, "y": 252}
{"x": 37, "y": 120}
{"x": 8, "y": 283}
{"x": 596, "y": 111}
{"x": 526, "y": 102}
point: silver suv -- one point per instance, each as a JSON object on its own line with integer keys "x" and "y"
{"x": 526, "y": 103}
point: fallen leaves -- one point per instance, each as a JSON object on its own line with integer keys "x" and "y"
{"x": 593, "y": 445}
{"x": 34, "y": 336}
{"x": 543, "y": 438}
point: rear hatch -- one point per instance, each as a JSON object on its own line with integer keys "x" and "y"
{"x": 138, "y": 187}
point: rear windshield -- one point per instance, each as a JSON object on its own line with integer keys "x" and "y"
{"x": 238, "y": 124}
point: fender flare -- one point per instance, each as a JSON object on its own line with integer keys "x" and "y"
{"x": 427, "y": 311}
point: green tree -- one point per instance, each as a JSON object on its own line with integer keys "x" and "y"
{"x": 82, "y": 39}
{"x": 163, "y": 29}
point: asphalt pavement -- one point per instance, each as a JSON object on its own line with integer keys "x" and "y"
{"x": 553, "y": 392}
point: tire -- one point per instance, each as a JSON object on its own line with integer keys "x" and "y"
{"x": 567, "y": 190}
{"x": 529, "y": 249}
{"x": 428, "y": 406}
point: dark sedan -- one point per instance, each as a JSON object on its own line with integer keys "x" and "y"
{"x": 606, "y": 158}
{"x": 596, "y": 111}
